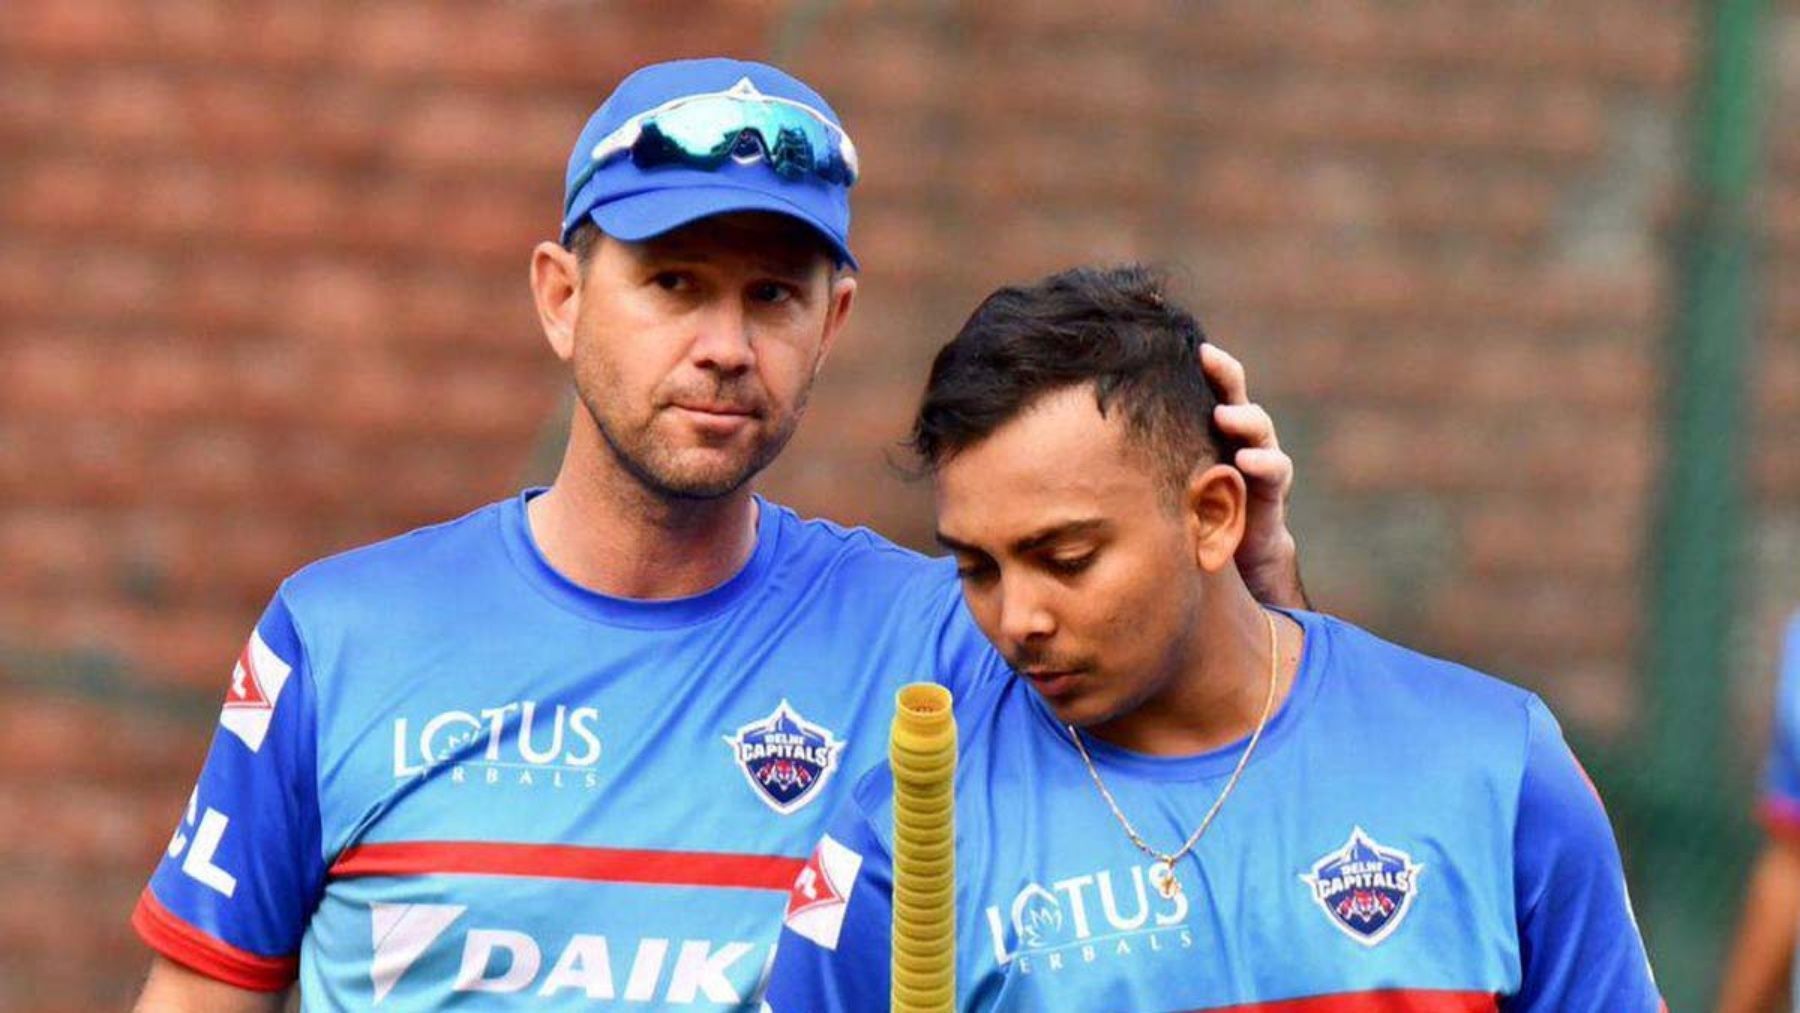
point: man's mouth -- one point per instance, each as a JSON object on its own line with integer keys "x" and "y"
{"x": 715, "y": 408}
{"x": 1052, "y": 682}
{"x": 716, "y": 419}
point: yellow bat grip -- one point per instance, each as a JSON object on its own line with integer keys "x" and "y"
{"x": 922, "y": 753}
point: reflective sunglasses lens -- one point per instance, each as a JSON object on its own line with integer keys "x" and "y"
{"x": 707, "y": 132}
{"x": 702, "y": 130}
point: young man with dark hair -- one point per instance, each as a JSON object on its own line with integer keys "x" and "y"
{"x": 571, "y": 749}
{"x": 1187, "y": 800}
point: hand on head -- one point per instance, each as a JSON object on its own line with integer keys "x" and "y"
{"x": 1267, "y": 557}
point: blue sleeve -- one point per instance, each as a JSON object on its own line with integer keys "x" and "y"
{"x": 1579, "y": 947}
{"x": 835, "y": 940}
{"x": 1780, "y": 804}
{"x": 234, "y": 889}
{"x": 966, "y": 660}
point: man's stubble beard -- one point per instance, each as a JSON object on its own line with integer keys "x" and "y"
{"x": 660, "y": 472}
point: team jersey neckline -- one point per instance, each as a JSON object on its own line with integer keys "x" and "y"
{"x": 1217, "y": 762}
{"x": 637, "y": 613}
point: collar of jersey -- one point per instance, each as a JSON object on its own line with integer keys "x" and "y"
{"x": 638, "y": 613}
{"x": 1216, "y": 762}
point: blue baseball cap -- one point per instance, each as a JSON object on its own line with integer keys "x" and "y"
{"x": 634, "y": 203}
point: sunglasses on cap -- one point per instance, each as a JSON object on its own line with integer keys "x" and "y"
{"x": 742, "y": 124}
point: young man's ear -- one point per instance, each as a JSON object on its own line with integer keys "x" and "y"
{"x": 556, "y": 289}
{"x": 1215, "y": 504}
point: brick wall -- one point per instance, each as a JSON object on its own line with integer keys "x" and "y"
{"x": 262, "y": 298}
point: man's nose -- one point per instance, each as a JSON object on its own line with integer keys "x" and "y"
{"x": 723, "y": 341}
{"x": 1023, "y": 615}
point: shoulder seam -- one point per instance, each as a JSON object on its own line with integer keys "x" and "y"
{"x": 304, "y": 665}
{"x": 1512, "y": 836}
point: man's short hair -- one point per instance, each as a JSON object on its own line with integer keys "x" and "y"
{"x": 584, "y": 239}
{"x": 1114, "y": 328}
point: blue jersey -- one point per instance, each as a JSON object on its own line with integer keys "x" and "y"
{"x": 1780, "y": 806}
{"x": 446, "y": 775}
{"x": 1409, "y": 835}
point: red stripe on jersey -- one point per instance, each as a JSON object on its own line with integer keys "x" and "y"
{"x": 1392, "y": 1000}
{"x": 169, "y": 935}
{"x": 1780, "y": 817}
{"x": 567, "y": 861}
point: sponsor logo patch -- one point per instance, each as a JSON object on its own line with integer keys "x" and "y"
{"x": 401, "y": 934}
{"x": 256, "y": 685}
{"x": 785, "y": 757}
{"x": 518, "y": 744}
{"x": 821, "y": 893}
{"x": 415, "y": 949}
{"x": 1102, "y": 918}
{"x": 1364, "y": 887}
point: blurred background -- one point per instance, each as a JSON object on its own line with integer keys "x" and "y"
{"x": 1520, "y": 282}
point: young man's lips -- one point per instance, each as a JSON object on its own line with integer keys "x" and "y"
{"x": 1052, "y": 682}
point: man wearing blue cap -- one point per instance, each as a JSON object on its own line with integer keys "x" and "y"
{"x": 571, "y": 749}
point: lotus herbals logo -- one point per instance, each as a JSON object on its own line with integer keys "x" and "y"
{"x": 785, "y": 757}
{"x": 1365, "y": 888}
{"x": 518, "y": 744}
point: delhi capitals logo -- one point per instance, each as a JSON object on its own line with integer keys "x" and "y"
{"x": 1364, "y": 888}
{"x": 785, "y": 757}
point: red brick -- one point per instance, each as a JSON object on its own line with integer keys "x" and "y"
{"x": 1588, "y": 539}
{"x": 315, "y": 471}
{"x": 51, "y": 371}
{"x": 1776, "y": 380}
{"x": 248, "y": 556}
{"x": 31, "y": 102}
{"x": 228, "y": 294}
{"x": 157, "y": 380}
{"x": 132, "y": 106}
{"x": 1086, "y": 85}
{"x": 1781, "y": 302}
{"x": 1536, "y": 620}
{"x": 1375, "y": 451}
{"x": 45, "y": 548}
{"x": 486, "y": 313}
{"x": 1780, "y": 218}
{"x": 496, "y": 227}
{"x": 88, "y": 30}
{"x": 474, "y": 403}
{"x": 197, "y": 28}
{"x": 1061, "y": 18}
{"x": 189, "y": 648}
{"x": 103, "y": 461}
{"x": 871, "y": 69}
{"x": 1116, "y": 165}
{"x": 283, "y": 34}
{"x": 47, "y": 739}
{"x": 53, "y": 192}
{"x": 894, "y": 242}
{"x": 334, "y": 303}
{"x": 1775, "y": 469}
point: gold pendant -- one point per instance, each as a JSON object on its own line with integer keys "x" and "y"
{"x": 1162, "y": 876}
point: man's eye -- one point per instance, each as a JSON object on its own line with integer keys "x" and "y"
{"x": 1071, "y": 565}
{"x": 771, "y": 293}
{"x": 671, "y": 281}
{"x": 974, "y": 571}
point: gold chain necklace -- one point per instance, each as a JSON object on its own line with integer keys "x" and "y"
{"x": 1162, "y": 874}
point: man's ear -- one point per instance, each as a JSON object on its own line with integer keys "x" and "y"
{"x": 1214, "y": 505}
{"x": 837, "y": 312}
{"x": 556, "y": 289}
